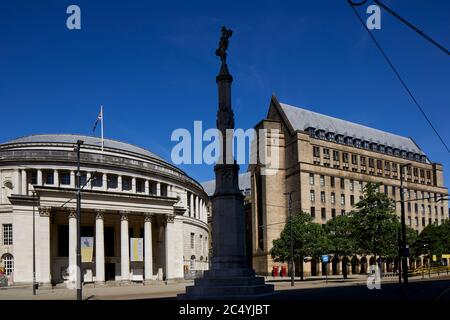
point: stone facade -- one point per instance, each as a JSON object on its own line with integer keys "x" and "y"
{"x": 133, "y": 195}
{"x": 326, "y": 172}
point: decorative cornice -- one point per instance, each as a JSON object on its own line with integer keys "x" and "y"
{"x": 72, "y": 213}
{"x": 124, "y": 215}
{"x": 45, "y": 211}
{"x": 148, "y": 217}
{"x": 99, "y": 214}
{"x": 170, "y": 218}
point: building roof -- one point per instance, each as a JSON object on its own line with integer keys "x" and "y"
{"x": 302, "y": 119}
{"x": 244, "y": 184}
{"x": 88, "y": 140}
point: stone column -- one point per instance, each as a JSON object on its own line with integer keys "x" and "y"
{"x": 191, "y": 209}
{"x": 72, "y": 245}
{"x": 146, "y": 186}
{"x": 88, "y": 177}
{"x": 158, "y": 189}
{"x": 148, "y": 250}
{"x": 56, "y": 178}
{"x": 24, "y": 182}
{"x": 72, "y": 179}
{"x": 104, "y": 182}
{"x": 133, "y": 185}
{"x": 43, "y": 253}
{"x": 124, "y": 247}
{"x": 174, "y": 248}
{"x": 99, "y": 247}
{"x": 39, "y": 177}
{"x": 119, "y": 182}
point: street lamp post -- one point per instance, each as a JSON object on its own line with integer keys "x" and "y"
{"x": 78, "y": 187}
{"x": 291, "y": 237}
{"x": 402, "y": 199}
{"x": 34, "y": 245}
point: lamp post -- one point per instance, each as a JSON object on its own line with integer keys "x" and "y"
{"x": 402, "y": 199}
{"x": 291, "y": 237}
{"x": 78, "y": 187}
{"x": 34, "y": 245}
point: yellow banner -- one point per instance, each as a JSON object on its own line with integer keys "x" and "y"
{"x": 87, "y": 249}
{"x": 136, "y": 249}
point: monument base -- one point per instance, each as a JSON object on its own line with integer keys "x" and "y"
{"x": 237, "y": 284}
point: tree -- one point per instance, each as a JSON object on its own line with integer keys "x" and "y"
{"x": 375, "y": 224}
{"x": 309, "y": 240}
{"x": 341, "y": 239}
{"x": 434, "y": 240}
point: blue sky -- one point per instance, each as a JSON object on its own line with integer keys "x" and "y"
{"x": 152, "y": 65}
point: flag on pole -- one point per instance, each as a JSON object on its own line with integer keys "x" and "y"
{"x": 100, "y": 118}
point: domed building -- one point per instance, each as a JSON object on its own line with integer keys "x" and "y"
{"x": 142, "y": 219}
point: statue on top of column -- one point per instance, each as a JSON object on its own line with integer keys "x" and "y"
{"x": 223, "y": 44}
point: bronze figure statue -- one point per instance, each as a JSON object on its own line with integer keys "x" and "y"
{"x": 223, "y": 44}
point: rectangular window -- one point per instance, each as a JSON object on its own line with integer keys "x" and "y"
{"x": 311, "y": 179}
{"x": 192, "y": 240}
{"x": 394, "y": 191}
{"x": 140, "y": 186}
{"x": 333, "y": 213}
{"x": 111, "y": 181}
{"x": 322, "y": 196}
{"x": 164, "y": 190}
{"x": 313, "y": 212}
{"x": 333, "y": 198}
{"x": 64, "y": 178}
{"x": 7, "y": 234}
{"x": 423, "y": 222}
{"x": 351, "y": 185}
{"x": 316, "y": 152}
{"x": 342, "y": 212}
{"x": 385, "y": 189}
{"x": 326, "y": 153}
{"x": 362, "y": 160}
{"x": 126, "y": 183}
{"x": 361, "y": 186}
{"x": 342, "y": 183}
{"x": 323, "y": 214}
{"x": 49, "y": 177}
{"x": 332, "y": 182}
{"x": 416, "y": 208}
{"x": 354, "y": 159}
{"x": 312, "y": 196}
{"x": 97, "y": 181}
{"x": 379, "y": 164}
{"x": 83, "y": 179}
{"x": 322, "y": 181}
{"x": 352, "y": 200}
{"x": 342, "y": 199}
{"x": 371, "y": 163}
{"x": 416, "y": 221}
{"x": 345, "y": 157}
{"x": 336, "y": 155}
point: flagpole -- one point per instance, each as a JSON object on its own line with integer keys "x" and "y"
{"x": 103, "y": 141}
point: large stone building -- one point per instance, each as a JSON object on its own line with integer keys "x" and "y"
{"x": 129, "y": 193}
{"x": 325, "y": 162}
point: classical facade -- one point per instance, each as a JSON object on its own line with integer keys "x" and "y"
{"x": 325, "y": 162}
{"x": 128, "y": 192}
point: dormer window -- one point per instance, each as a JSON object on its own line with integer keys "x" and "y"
{"x": 410, "y": 155}
{"x": 403, "y": 153}
{"x": 349, "y": 140}
{"x": 312, "y": 132}
{"x": 321, "y": 134}
{"x": 340, "y": 138}
{"x": 416, "y": 156}
{"x": 366, "y": 144}
{"x": 373, "y": 146}
{"x": 388, "y": 150}
{"x": 330, "y": 136}
{"x": 381, "y": 148}
{"x": 423, "y": 158}
{"x": 357, "y": 143}
{"x": 396, "y": 152}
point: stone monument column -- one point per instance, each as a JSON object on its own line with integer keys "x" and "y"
{"x": 229, "y": 277}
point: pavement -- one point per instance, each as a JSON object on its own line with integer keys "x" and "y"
{"x": 312, "y": 288}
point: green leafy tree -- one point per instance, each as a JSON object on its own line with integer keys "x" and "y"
{"x": 434, "y": 240}
{"x": 375, "y": 224}
{"x": 309, "y": 240}
{"x": 341, "y": 239}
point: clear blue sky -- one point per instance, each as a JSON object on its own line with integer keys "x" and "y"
{"x": 152, "y": 65}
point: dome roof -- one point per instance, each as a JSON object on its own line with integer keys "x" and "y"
{"x": 88, "y": 140}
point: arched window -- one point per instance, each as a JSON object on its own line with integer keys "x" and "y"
{"x": 8, "y": 263}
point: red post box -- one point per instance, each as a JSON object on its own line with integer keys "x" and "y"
{"x": 275, "y": 271}
{"x": 283, "y": 271}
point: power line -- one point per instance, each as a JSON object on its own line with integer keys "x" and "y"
{"x": 410, "y": 25}
{"x": 400, "y": 78}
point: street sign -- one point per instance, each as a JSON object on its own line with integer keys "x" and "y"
{"x": 325, "y": 258}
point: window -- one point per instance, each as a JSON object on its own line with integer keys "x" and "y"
{"x": 342, "y": 183}
{"x": 371, "y": 163}
{"x": 322, "y": 181}
{"x": 333, "y": 213}
{"x": 316, "y": 152}
{"x": 313, "y": 212}
{"x": 345, "y": 157}
{"x": 112, "y": 181}
{"x": 322, "y": 196}
{"x": 385, "y": 189}
{"x": 387, "y": 166}
{"x": 354, "y": 159}
{"x": 192, "y": 240}
{"x": 312, "y": 196}
{"x": 362, "y": 160}
{"x": 357, "y": 143}
{"x": 336, "y": 155}
{"x": 416, "y": 208}
{"x": 333, "y": 198}
{"x": 64, "y": 178}
{"x": 140, "y": 186}
{"x": 423, "y": 222}
{"x": 7, "y": 234}
{"x": 98, "y": 180}
{"x": 326, "y": 153}
{"x": 416, "y": 221}
{"x": 323, "y": 213}
{"x": 83, "y": 179}
{"x": 342, "y": 199}
{"x": 352, "y": 200}
{"x": 340, "y": 139}
{"x": 126, "y": 184}
{"x": 342, "y": 212}
{"x": 422, "y": 209}
{"x": 351, "y": 185}
{"x": 8, "y": 263}
{"x": 164, "y": 190}
{"x": 332, "y": 182}
{"x": 409, "y": 206}
{"x": 49, "y": 177}
{"x": 409, "y": 220}
{"x": 393, "y": 191}
{"x": 311, "y": 179}
{"x": 379, "y": 164}
{"x": 361, "y": 186}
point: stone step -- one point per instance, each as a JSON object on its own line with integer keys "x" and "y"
{"x": 229, "y": 273}
{"x": 229, "y": 281}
